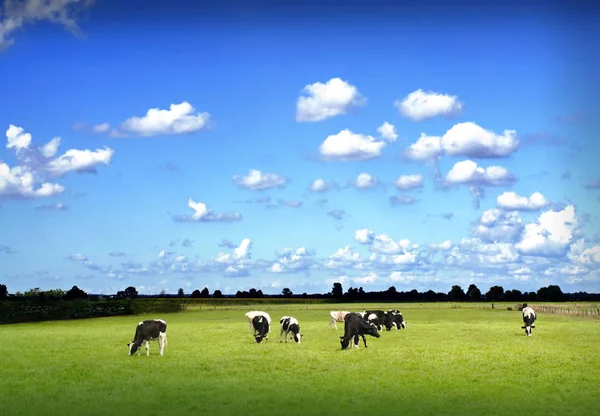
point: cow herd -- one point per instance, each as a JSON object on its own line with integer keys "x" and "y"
{"x": 356, "y": 325}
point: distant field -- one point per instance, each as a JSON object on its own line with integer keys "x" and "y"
{"x": 463, "y": 361}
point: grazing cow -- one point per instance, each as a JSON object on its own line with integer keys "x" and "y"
{"x": 147, "y": 331}
{"x": 373, "y": 320}
{"x": 397, "y": 320}
{"x": 528, "y": 320}
{"x": 290, "y": 325}
{"x": 383, "y": 317}
{"x": 354, "y": 326}
{"x": 261, "y": 328}
{"x": 250, "y": 315}
{"x": 336, "y": 316}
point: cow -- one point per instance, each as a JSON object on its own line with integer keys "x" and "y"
{"x": 373, "y": 320}
{"x": 336, "y": 316}
{"x": 250, "y": 315}
{"x": 397, "y": 320}
{"x": 261, "y": 328}
{"x": 383, "y": 317}
{"x": 528, "y": 320}
{"x": 290, "y": 325}
{"x": 354, "y": 326}
{"x": 145, "y": 332}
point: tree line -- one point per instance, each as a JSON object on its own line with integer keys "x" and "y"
{"x": 551, "y": 293}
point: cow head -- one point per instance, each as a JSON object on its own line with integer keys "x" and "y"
{"x": 373, "y": 332}
{"x": 132, "y": 347}
{"x": 259, "y": 338}
{"x": 298, "y": 337}
{"x": 344, "y": 342}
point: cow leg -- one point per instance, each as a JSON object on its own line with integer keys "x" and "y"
{"x": 356, "y": 341}
{"x": 147, "y": 348}
{"x": 162, "y": 340}
{"x": 364, "y": 340}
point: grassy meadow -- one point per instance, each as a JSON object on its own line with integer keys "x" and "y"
{"x": 448, "y": 361}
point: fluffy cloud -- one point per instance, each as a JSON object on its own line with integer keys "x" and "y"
{"x": 101, "y": 128}
{"x": 512, "y": 201}
{"x": 259, "y": 181}
{"x": 320, "y": 185}
{"x": 347, "y": 146}
{"x": 551, "y": 234}
{"x": 463, "y": 139}
{"x": 179, "y": 119}
{"x": 420, "y": 105}
{"x": 202, "y": 214}
{"x": 37, "y": 164}
{"x": 444, "y": 245}
{"x": 293, "y": 261}
{"x": 467, "y": 172}
{"x": 495, "y": 225}
{"x": 365, "y": 181}
{"x": 364, "y": 236}
{"x": 469, "y": 139}
{"x": 406, "y": 182}
{"x": 388, "y": 132}
{"x": 16, "y": 14}
{"x": 321, "y": 101}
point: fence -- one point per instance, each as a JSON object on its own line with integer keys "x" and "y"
{"x": 569, "y": 310}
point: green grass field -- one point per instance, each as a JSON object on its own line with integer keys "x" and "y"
{"x": 447, "y": 361}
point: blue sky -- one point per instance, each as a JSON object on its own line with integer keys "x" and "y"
{"x": 271, "y": 147}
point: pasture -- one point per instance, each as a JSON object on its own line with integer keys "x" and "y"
{"x": 447, "y": 362}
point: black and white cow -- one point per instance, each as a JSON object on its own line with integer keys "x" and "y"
{"x": 289, "y": 325}
{"x": 354, "y": 326}
{"x": 383, "y": 317}
{"x": 528, "y": 320}
{"x": 373, "y": 320}
{"x": 145, "y": 332}
{"x": 336, "y": 316}
{"x": 397, "y": 320}
{"x": 261, "y": 328}
{"x": 250, "y": 315}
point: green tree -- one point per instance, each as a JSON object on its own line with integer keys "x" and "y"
{"x": 495, "y": 293}
{"x": 337, "y": 291}
{"x": 3, "y": 292}
{"x": 473, "y": 293}
{"x": 456, "y": 293}
{"x": 286, "y": 292}
{"x": 75, "y": 293}
{"x": 180, "y": 292}
{"x": 205, "y": 293}
{"x": 217, "y": 294}
{"x": 130, "y": 293}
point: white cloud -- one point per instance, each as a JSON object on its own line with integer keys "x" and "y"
{"x": 29, "y": 178}
{"x": 426, "y": 148}
{"x": 551, "y": 234}
{"x": 203, "y": 214}
{"x": 16, "y": 138}
{"x": 17, "y": 14}
{"x": 385, "y": 245}
{"x": 469, "y": 139}
{"x": 179, "y": 119}
{"x": 369, "y": 278}
{"x": 365, "y": 181}
{"x": 258, "y": 181}
{"x": 49, "y": 149}
{"x": 346, "y": 146}
{"x": 406, "y": 182}
{"x": 101, "y": 128}
{"x": 319, "y": 185}
{"x": 388, "y": 132}
{"x": 496, "y": 225}
{"x": 343, "y": 257}
{"x": 18, "y": 182}
{"x": 444, "y": 245}
{"x": 512, "y": 201}
{"x": 292, "y": 261}
{"x": 79, "y": 160}
{"x": 364, "y": 236}
{"x": 467, "y": 172}
{"x": 420, "y": 105}
{"x": 321, "y": 101}
{"x": 463, "y": 139}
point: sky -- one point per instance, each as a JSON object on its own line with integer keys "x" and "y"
{"x": 261, "y": 145}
